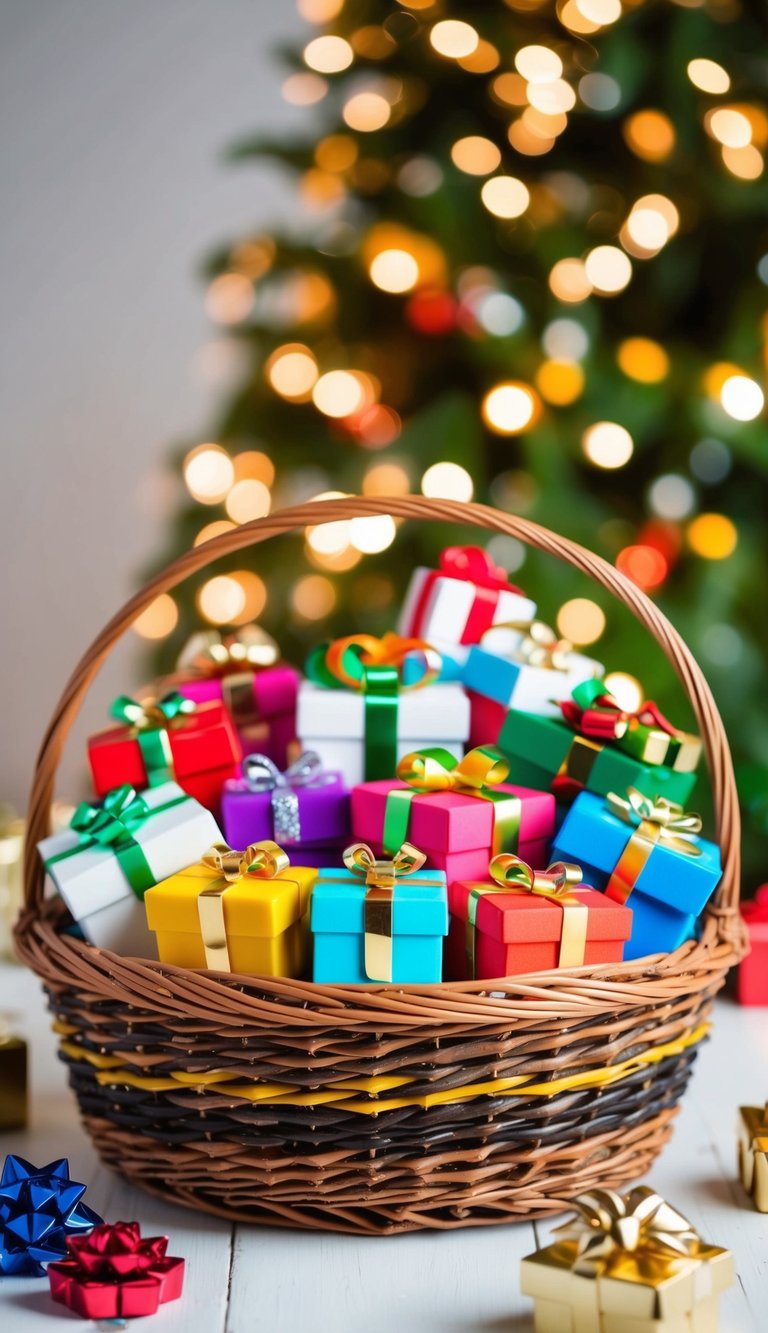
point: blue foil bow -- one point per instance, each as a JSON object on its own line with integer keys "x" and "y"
{"x": 39, "y": 1208}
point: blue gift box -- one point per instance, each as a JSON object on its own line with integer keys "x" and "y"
{"x": 500, "y": 672}
{"x": 671, "y": 889}
{"x": 419, "y": 922}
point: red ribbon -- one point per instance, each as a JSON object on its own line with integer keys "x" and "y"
{"x": 473, "y": 565}
{"x": 604, "y": 720}
{"x": 112, "y": 1273}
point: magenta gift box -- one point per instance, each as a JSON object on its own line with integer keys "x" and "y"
{"x": 309, "y": 817}
{"x": 265, "y": 716}
{"x": 453, "y": 830}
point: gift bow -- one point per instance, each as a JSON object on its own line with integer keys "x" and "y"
{"x": 510, "y": 874}
{"x": 663, "y": 820}
{"x": 210, "y": 653}
{"x": 610, "y": 1225}
{"x": 262, "y": 774}
{"x": 357, "y": 661}
{"x": 116, "y": 1250}
{"x": 555, "y": 882}
{"x": 475, "y": 564}
{"x": 263, "y": 860}
{"x": 121, "y": 811}
{"x": 434, "y": 770}
{"x": 540, "y": 645}
{"x": 150, "y": 713}
{"x": 594, "y": 712}
{"x": 383, "y": 874}
{"x": 380, "y": 880}
{"x": 113, "y": 1273}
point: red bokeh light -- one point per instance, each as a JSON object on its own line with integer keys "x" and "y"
{"x": 644, "y": 565}
{"x": 432, "y": 313}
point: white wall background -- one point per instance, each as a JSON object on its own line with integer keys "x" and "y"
{"x": 114, "y": 115}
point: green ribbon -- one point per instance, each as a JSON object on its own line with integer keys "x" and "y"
{"x": 111, "y": 826}
{"x": 426, "y": 772}
{"x": 149, "y": 723}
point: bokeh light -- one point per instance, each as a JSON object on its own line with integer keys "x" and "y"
{"x": 304, "y": 89}
{"x": 366, "y": 112}
{"x": 644, "y": 565}
{"x": 538, "y": 64}
{"x": 158, "y": 620}
{"x": 247, "y": 500}
{"x": 671, "y": 496}
{"x": 208, "y": 473}
{"x": 453, "y": 38}
{"x": 313, "y": 597}
{"x": 712, "y": 536}
{"x": 607, "y": 444}
{"x": 254, "y": 463}
{"x": 373, "y": 534}
{"x": 569, "y": 282}
{"x": 643, "y": 359}
{"x": 626, "y": 690}
{"x": 608, "y": 269}
{"x": 292, "y": 371}
{"x": 505, "y": 196}
{"x": 254, "y": 592}
{"x": 386, "y": 479}
{"x": 475, "y": 155}
{"x": 215, "y": 529}
{"x": 221, "y": 600}
{"x": 328, "y": 54}
{"x": 230, "y": 298}
{"x": 394, "y": 271}
{"x": 650, "y": 134}
{"x": 729, "y": 126}
{"x": 447, "y": 481}
{"x": 560, "y": 382}
{"x": 708, "y": 76}
{"x": 581, "y": 620}
{"x": 498, "y": 313}
{"x": 565, "y": 340}
{"x": 338, "y": 393}
{"x": 601, "y": 12}
{"x": 742, "y": 398}
{"x": 510, "y": 407}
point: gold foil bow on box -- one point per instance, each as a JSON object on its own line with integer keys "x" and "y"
{"x": 753, "y": 1153}
{"x": 232, "y": 659}
{"x": 434, "y": 770}
{"x": 260, "y": 860}
{"x": 539, "y": 645}
{"x": 381, "y": 878}
{"x": 263, "y": 775}
{"x": 513, "y": 875}
{"x": 626, "y": 1261}
{"x": 653, "y": 820}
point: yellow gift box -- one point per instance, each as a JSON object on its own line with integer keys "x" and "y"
{"x": 614, "y": 1276}
{"x": 753, "y": 1153}
{"x": 235, "y": 911}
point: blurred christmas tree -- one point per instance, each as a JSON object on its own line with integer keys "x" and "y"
{"x": 531, "y": 267}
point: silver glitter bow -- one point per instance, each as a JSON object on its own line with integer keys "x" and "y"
{"x": 263, "y": 775}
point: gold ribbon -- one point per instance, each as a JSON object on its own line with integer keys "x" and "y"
{"x": 610, "y": 1227}
{"x": 654, "y": 820}
{"x": 427, "y": 770}
{"x": 209, "y": 653}
{"x": 513, "y": 875}
{"x": 380, "y": 880}
{"x": 540, "y": 646}
{"x": 262, "y": 860}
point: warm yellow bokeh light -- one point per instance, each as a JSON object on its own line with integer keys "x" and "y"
{"x": 608, "y": 269}
{"x": 581, "y": 621}
{"x": 526, "y": 140}
{"x": 319, "y": 11}
{"x": 572, "y": 18}
{"x": 729, "y": 127}
{"x": 746, "y": 163}
{"x": 386, "y": 479}
{"x": 221, "y": 600}
{"x": 337, "y": 152}
{"x": 560, "y": 382}
{"x": 538, "y": 64}
{"x": 714, "y": 378}
{"x": 373, "y": 534}
{"x": 742, "y": 398}
{"x": 475, "y": 155}
{"x": 215, "y": 529}
{"x": 304, "y": 89}
{"x": 454, "y": 38}
{"x": 447, "y": 481}
{"x": 650, "y": 134}
{"x": 601, "y": 12}
{"x": 254, "y": 593}
{"x": 482, "y": 60}
{"x": 329, "y": 538}
{"x": 292, "y": 371}
{"x": 607, "y": 444}
{"x": 158, "y": 620}
{"x": 254, "y": 463}
{"x": 505, "y": 196}
{"x": 568, "y": 281}
{"x": 511, "y": 89}
{"x": 708, "y": 76}
{"x": 338, "y": 393}
{"x": 648, "y": 228}
{"x": 510, "y": 408}
{"x": 366, "y": 112}
{"x": 208, "y": 473}
{"x": 643, "y": 360}
{"x": 394, "y": 271}
{"x": 626, "y": 690}
{"x": 313, "y": 597}
{"x": 247, "y": 500}
{"x": 229, "y": 298}
{"x": 328, "y": 55}
{"x": 552, "y": 98}
{"x": 712, "y": 536}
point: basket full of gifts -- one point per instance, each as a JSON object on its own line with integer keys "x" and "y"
{"x": 425, "y": 933}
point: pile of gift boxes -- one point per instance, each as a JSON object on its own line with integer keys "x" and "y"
{"x": 460, "y": 799}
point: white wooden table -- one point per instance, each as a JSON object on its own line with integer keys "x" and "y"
{"x": 245, "y": 1279}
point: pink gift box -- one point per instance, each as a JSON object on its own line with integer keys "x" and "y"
{"x": 486, "y": 718}
{"x": 265, "y": 716}
{"x": 453, "y": 830}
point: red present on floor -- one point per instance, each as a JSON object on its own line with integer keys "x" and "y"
{"x": 752, "y": 976}
{"x": 171, "y": 739}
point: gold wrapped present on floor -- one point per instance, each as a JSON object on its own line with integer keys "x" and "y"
{"x": 753, "y": 1153}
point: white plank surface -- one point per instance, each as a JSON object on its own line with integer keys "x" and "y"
{"x": 244, "y": 1279}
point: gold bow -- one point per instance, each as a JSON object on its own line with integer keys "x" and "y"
{"x": 437, "y": 769}
{"x": 513, "y": 875}
{"x": 653, "y": 821}
{"x": 380, "y": 880}
{"x": 259, "y": 860}
{"x": 540, "y": 646}
{"x": 610, "y": 1226}
{"x": 209, "y": 653}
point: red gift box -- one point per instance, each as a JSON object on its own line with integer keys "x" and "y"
{"x": 518, "y": 933}
{"x": 204, "y": 752}
{"x": 752, "y": 978}
{"x": 486, "y": 718}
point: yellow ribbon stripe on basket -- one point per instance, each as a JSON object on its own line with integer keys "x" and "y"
{"x": 342, "y": 1093}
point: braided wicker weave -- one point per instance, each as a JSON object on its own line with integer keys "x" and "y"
{"x": 381, "y": 1109}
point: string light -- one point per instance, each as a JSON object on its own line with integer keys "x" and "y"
{"x": 338, "y": 393}
{"x": 158, "y": 620}
{"x": 644, "y": 565}
{"x": 599, "y": 92}
{"x": 386, "y": 479}
{"x": 505, "y": 196}
{"x": 304, "y": 89}
{"x": 650, "y": 134}
{"x": 560, "y": 382}
{"x": 742, "y": 398}
{"x": 447, "y": 481}
{"x": 337, "y": 152}
{"x": 510, "y": 408}
{"x": 710, "y": 461}
{"x": 482, "y": 60}
{"x": 729, "y": 126}
{"x": 254, "y": 463}
{"x": 747, "y": 163}
{"x": 254, "y": 592}
{"x": 247, "y": 500}
{"x": 552, "y": 98}
{"x": 626, "y": 690}
{"x": 475, "y": 155}
{"x": 208, "y": 473}
{"x": 607, "y": 444}
{"x": 292, "y": 371}
{"x": 608, "y": 269}
{"x": 510, "y": 89}
{"x": 372, "y": 535}
{"x": 454, "y": 39}
{"x": 212, "y": 530}
{"x": 319, "y": 11}
{"x": 565, "y": 340}
{"x": 328, "y": 55}
{"x": 498, "y": 313}
{"x": 221, "y": 600}
{"x": 643, "y": 359}
{"x": 230, "y": 298}
{"x": 708, "y": 76}
{"x": 671, "y": 496}
{"x": 581, "y": 621}
{"x": 712, "y": 536}
{"x": 313, "y": 597}
{"x": 366, "y": 112}
{"x": 394, "y": 271}
{"x": 569, "y": 282}
{"x": 601, "y": 12}
{"x": 538, "y": 64}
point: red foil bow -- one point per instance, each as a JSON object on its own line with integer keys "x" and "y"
{"x": 112, "y": 1273}
{"x": 593, "y": 711}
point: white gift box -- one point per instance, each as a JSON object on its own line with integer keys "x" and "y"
{"x": 333, "y": 723}
{"x": 94, "y": 886}
{"x": 447, "y": 608}
{"x": 497, "y": 671}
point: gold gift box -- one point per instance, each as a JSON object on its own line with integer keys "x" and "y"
{"x": 13, "y": 1082}
{"x": 753, "y": 1154}
{"x": 629, "y": 1292}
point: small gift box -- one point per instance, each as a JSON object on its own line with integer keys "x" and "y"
{"x": 626, "y": 1263}
{"x": 459, "y": 812}
{"x": 235, "y": 911}
{"x": 104, "y": 863}
{"x": 454, "y": 605}
{"x": 379, "y": 920}
{"x": 646, "y": 852}
{"x": 752, "y": 975}
{"x": 753, "y": 1154}
{"x": 243, "y": 671}
{"x": 518, "y": 920}
{"x": 581, "y": 751}
{"x": 169, "y": 739}
{"x": 305, "y": 808}
{"x": 362, "y": 710}
{"x": 13, "y": 1080}
{"x": 527, "y": 667}
{"x": 114, "y": 1274}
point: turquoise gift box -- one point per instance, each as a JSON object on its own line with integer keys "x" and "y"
{"x": 671, "y": 886}
{"x": 347, "y": 913}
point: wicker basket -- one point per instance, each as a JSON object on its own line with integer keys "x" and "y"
{"x": 378, "y": 1109}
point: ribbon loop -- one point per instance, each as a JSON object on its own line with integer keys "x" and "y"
{"x": 554, "y": 882}
{"x": 263, "y": 860}
{"x": 540, "y": 646}
{"x": 474, "y": 564}
{"x": 478, "y": 774}
{"x": 667, "y": 820}
{"x": 510, "y": 874}
{"x": 383, "y": 873}
{"x": 151, "y": 713}
{"x": 609, "y": 1225}
{"x": 262, "y": 774}
{"x": 210, "y": 653}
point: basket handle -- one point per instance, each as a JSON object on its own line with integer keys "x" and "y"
{"x": 405, "y": 507}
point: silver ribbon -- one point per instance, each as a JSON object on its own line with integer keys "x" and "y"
{"x": 263, "y": 775}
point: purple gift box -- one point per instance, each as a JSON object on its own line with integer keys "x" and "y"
{"x": 304, "y": 809}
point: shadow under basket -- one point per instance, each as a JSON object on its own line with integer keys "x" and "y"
{"x": 381, "y": 1109}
